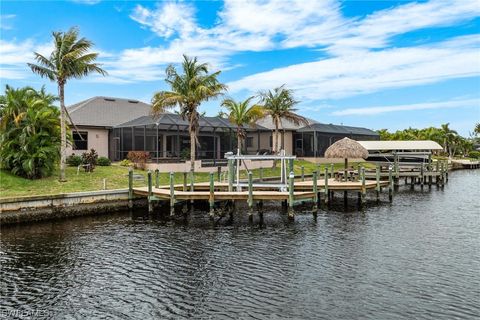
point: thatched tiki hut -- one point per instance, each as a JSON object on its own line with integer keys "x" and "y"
{"x": 346, "y": 148}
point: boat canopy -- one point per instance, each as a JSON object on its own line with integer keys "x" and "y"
{"x": 403, "y": 145}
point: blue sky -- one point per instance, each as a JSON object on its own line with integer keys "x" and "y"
{"x": 376, "y": 64}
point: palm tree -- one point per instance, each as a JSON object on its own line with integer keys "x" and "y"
{"x": 241, "y": 114}
{"x": 70, "y": 58}
{"x": 187, "y": 91}
{"x": 477, "y": 128}
{"x": 448, "y": 136}
{"x": 279, "y": 104}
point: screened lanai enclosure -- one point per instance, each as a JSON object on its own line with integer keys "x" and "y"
{"x": 166, "y": 138}
{"x": 313, "y": 140}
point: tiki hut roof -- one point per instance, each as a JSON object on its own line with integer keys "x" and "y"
{"x": 346, "y": 148}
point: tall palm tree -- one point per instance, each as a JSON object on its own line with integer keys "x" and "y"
{"x": 70, "y": 58}
{"x": 187, "y": 91}
{"x": 279, "y": 104}
{"x": 241, "y": 113}
{"x": 477, "y": 128}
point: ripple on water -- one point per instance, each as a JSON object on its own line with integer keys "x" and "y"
{"x": 416, "y": 258}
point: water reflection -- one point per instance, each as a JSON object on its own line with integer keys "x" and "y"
{"x": 418, "y": 257}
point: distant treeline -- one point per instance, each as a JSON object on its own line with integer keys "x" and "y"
{"x": 453, "y": 144}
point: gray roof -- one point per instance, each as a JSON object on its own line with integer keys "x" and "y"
{"x": 338, "y": 129}
{"x": 285, "y": 124}
{"x": 170, "y": 121}
{"x": 107, "y": 111}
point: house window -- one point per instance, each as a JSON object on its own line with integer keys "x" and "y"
{"x": 78, "y": 143}
{"x": 249, "y": 142}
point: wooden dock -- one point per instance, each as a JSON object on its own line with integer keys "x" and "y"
{"x": 296, "y": 191}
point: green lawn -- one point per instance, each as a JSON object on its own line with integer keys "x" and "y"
{"x": 117, "y": 177}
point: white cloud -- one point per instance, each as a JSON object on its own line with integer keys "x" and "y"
{"x": 168, "y": 19}
{"x": 370, "y": 71}
{"x": 6, "y": 21}
{"x": 409, "y": 107}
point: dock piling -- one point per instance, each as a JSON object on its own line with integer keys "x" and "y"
{"x": 364, "y": 190}
{"x": 377, "y": 178}
{"x": 291, "y": 199}
{"x": 422, "y": 176}
{"x": 315, "y": 191}
{"x": 157, "y": 178}
{"x": 390, "y": 184}
{"x": 150, "y": 194}
{"x": 230, "y": 175}
{"x": 185, "y": 179}
{"x": 326, "y": 185}
{"x": 130, "y": 188}
{"x": 260, "y": 173}
{"x": 302, "y": 173}
{"x": 332, "y": 170}
{"x": 172, "y": 194}
{"x": 250, "y": 194}
{"x": 211, "y": 198}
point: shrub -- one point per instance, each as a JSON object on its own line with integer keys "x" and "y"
{"x": 74, "y": 160}
{"x": 474, "y": 154}
{"x": 139, "y": 158}
{"x": 29, "y": 133}
{"x": 90, "y": 159}
{"x": 126, "y": 163}
{"x": 104, "y": 162}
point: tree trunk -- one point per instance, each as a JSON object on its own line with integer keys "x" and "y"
{"x": 276, "y": 138}
{"x": 239, "y": 143}
{"x": 63, "y": 133}
{"x": 193, "y": 145}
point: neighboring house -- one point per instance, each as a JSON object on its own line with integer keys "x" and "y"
{"x": 115, "y": 126}
{"x": 95, "y": 119}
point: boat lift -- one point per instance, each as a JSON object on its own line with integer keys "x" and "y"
{"x": 235, "y": 160}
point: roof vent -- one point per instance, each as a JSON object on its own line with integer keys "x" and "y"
{"x": 133, "y": 101}
{"x": 108, "y": 99}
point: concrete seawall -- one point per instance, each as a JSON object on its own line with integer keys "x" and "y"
{"x": 36, "y": 208}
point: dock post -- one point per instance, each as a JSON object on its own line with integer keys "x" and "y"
{"x": 326, "y": 185}
{"x": 172, "y": 194}
{"x": 303, "y": 172}
{"x": 332, "y": 170}
{"x": 446, "y": 171}
{"x": 250, "y": 195}
{"x": 130, "y": 188}
{"x": 291, "y": 199}
{"x": 157, "y": 178}
{"x": 192, "y": 180}
{"x": 315, "y": 191}
{"x": 364, "y": 190}
{"x": 149, "y": 197}
{"x": 422, "y": 176}
{"x": 377, "y": 176}
{"x": 219, "y": 174}
{"x": 185, "y": 174}
{"x": 260, "y": 173}
{"x": 192, "y": 183}
{"x": 390, "y": 184}
{"x": 290, "y": 165}
{"x": 230, "y": 175}
{"x": 442, "y": 170}
{"x": 211, "y": 198}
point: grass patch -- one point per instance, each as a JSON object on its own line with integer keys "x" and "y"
{"x": 117, "y": 178}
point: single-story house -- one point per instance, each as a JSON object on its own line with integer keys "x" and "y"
{"x": 115, "y": 126}
{"x": 95, "y": 119}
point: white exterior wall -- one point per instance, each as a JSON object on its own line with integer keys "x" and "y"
{"x": 97, "y": 139}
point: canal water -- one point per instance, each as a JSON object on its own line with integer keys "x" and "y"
{"x": 418, "y": 257}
